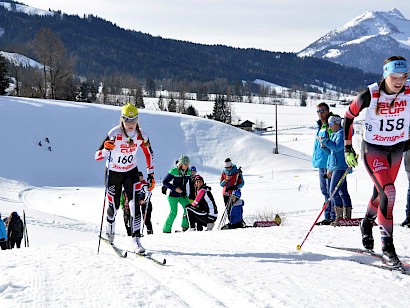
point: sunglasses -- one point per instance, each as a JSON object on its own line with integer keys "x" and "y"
{"x": 130, "y": 120}
{"x": 399, "y": 75}
{"x": 321, "y": 110}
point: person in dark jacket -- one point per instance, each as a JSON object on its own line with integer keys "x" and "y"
{"x": 203, "y": 211}
{"x": 177, "y": 181}
{"x": 15, "y": 230}
{"x": 192, "y": 188}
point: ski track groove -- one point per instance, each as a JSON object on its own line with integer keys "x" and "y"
{"x": 195, "y": 289}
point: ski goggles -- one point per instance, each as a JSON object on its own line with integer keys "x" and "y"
{"x": 321, "y": 110}
{"x": 399, "y": 75}
{"x": 130, "y": 120}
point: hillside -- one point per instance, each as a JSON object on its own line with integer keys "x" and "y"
{"x": 101, "y": 47}
{"x": 252, "y": 267}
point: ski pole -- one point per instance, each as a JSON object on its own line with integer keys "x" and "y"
{"x": 25, "y": 233}
{"x": 107, "y": 173}
{"x": 299, "y": 247}
{"x": 147, "y": 200}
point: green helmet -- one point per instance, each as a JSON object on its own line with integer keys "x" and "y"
{"x": 183, "y": 160}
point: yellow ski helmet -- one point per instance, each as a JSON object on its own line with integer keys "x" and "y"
{"x": 129, "y": 113}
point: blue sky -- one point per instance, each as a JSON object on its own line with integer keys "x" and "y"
{"x": 275, "y": 25}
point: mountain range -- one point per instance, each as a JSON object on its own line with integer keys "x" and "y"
{"x": 102, "y": 48}
{"x": 365, "y": 41}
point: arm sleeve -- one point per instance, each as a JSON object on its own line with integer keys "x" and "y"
{"x": 199, "y": 196}
{"x": 167, "y": 182}
{"x": 149, "y": 156}
{"x": 222, "y": 181}
{"x": 241, "y": 181}
{"x": 102, "y": 153}
{"x": 360, "y": 102}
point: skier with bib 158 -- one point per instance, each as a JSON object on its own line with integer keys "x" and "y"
{"x": 123, "y": 141}
{"x": 386, "y": 128}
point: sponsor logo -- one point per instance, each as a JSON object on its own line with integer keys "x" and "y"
{"x": 127, "y": 148}
{"x": 377, "y": 137}
{"x": 400, "y": 64}
{"x": 378, "y": 165}
{"x": 385, "y": 109}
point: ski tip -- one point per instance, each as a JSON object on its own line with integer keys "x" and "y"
{"x": 164, "y": 262}
{"x": 125, "y": 254}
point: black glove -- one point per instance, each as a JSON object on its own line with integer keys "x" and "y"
{"x": 233, "y": 187}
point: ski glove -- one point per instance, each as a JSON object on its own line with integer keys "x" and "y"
{"x": 109, "y": 145}
{"x": 233, "y": 187}
{"x": 350, "y": 156}
{"x": 151, "y": 181}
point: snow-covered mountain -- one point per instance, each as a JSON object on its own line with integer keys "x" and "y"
{"x": 25, "y": 9}
{"x": 20, "y": 60}
{"x": 365, "y": 41}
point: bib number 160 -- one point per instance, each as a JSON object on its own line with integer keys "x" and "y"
{"x": 125, "y": 159}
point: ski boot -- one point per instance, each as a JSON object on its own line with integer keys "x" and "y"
{"x": 137, "y": 244}
{"x": 389, "y": 254}
{"x": 110, "y": 231}
{"x": 366, "y": 227}
{"x": 406, "y": 222}
{"x": 210, "y": 226}
{"x": 150, "y": 232}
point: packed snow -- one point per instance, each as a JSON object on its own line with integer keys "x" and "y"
{"x": 62, "y": 194}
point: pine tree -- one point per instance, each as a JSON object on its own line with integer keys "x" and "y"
{"x": 4, "y": 80}
{"x": 221, "y": 111}
{"x": 191, "y": 111}
{"x": 172, "y": 105}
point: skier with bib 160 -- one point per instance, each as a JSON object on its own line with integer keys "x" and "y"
{"x": 123, "y": 141}
{"x": 386, "y": 128}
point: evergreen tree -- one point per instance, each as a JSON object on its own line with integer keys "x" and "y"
{"x": 221, "y": 111}
{"x": 139, "y": 97}
{"x": 191, "y": 111}
{"x": 4, "y": 80}
{"x": 172, "y": 105}
{"x": 150, "y": 87}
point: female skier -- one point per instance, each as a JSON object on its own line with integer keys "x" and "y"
{"x": 123, "y": 141}
{"x": 386, "y": 128}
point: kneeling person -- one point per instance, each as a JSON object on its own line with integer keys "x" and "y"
{"x": 236, "y": 212}
{"x": 203, "y": 211}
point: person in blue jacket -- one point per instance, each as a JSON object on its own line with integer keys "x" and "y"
{"x": 3, "y": 235}
{"x": 336, "y": 167}
{"x": 320, "y": 156}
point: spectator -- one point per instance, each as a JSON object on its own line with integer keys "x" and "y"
{"x": 203, "y": 211}
{"x": 177, "y": 181}
{"x": 126, "y": 212}
{"x": 3, "y": 235}
{"x": 231, "y": 179}
{"x": 15, "y": 230}
{"x": 144, "y": 197}
{"x": 236, "y": 212}
{"x": 320, "y": 157}
{"x": 192, "y": 189}
{"x": 336, "y": 167}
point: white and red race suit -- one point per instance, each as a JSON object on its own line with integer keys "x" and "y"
{"x": 123, "y": 156}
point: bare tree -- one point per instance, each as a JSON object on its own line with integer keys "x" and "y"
{"x": 57, "y": 65}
